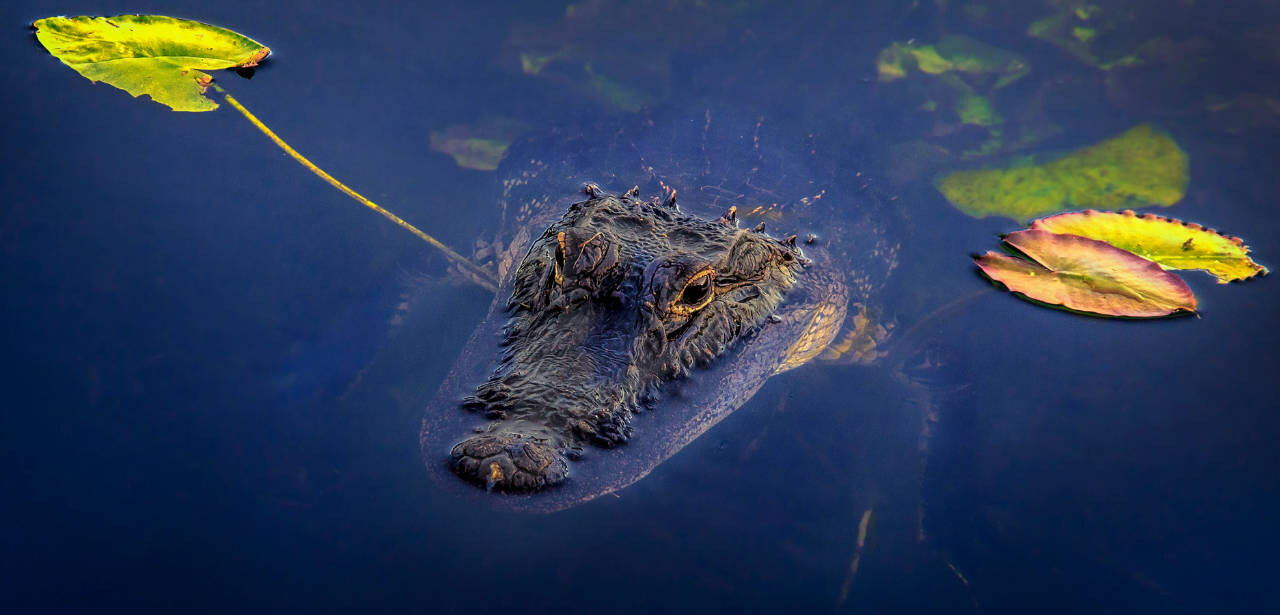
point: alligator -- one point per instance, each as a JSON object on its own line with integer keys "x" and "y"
{"x": 626, "y": 326}
{"x": 616, "y": 298}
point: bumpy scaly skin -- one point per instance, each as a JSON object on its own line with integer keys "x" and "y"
{"x": 619, "y": 296}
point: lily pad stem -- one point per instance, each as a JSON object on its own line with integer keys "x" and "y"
{"x": 476, "y": 274}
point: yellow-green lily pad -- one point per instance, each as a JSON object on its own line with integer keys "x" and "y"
{"x": 1172, "y": 244}
{"x": 1141, "y": 167}
{"x": 162, "y": 57}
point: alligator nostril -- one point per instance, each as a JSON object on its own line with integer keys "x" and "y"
{"x": 495, "y": 475}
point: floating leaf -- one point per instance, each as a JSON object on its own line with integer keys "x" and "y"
{"x": 1087, "y": 275}
{"x": 149, "y": 54}
{"x": 1171, "y": 243}
{"x": 1138, "y": 168}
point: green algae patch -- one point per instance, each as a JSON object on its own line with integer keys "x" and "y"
{"x": 1139, "y": 168}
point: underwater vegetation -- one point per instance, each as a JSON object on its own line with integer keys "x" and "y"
{"x": 1141, "y": 167}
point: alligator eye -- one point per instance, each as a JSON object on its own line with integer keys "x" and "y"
{"x": 696, "y": 294}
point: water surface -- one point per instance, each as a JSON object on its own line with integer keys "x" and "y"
{"x": 216, "y": 364}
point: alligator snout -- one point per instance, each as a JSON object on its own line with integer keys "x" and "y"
{"x": 509, "y": 462}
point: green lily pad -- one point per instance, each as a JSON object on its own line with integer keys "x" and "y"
{"x": 159, "y": 56}
{"x": 1139, "y": 168}
{"x": 1172, "y": 244}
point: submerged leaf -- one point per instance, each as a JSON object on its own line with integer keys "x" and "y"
{"x": 619, "y": 52}
{"x": 953, "y": 53}
{"x": 1078, "y": 30}
{"x": 149, "y": 54}
{"x": 1087, "y": 275}
{"x": 477, "y": 146}
{"x": 1138, "y": 168}
{"x": 977, "y": 110}
{"x": 1171, "y": 243}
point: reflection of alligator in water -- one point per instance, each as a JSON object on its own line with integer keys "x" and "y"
{"x": 621, "y": 298}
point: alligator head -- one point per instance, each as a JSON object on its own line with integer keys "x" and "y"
{"x": 618, "y": 297}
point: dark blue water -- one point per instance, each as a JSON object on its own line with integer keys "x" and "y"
{"x": 207, "y": 406}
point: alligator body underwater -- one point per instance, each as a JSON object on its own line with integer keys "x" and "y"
{"x": 625, "y": 325}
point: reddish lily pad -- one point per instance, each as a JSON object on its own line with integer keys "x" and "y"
{"x": 1086, "y": 275}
